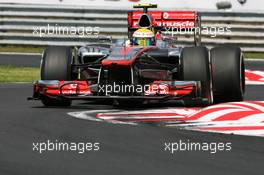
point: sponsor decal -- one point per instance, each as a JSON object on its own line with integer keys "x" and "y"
{"x": 186, "y": 24}
{"x": 165, "y": 15}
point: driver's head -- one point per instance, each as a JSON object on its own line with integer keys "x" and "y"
{"x": 144, "y": 37}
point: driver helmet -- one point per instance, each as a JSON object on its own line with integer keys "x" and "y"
{"x": 143, "y": 37}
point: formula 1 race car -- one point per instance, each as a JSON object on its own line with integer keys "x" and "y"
{"x": 146, "y": 67}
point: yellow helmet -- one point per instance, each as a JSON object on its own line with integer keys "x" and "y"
{"x": 144, "y": 37}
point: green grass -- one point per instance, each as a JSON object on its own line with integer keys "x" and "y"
{"x": 22, "y": 49}
{"x": 10, "y": 73}
{"x": 254, "y": 55}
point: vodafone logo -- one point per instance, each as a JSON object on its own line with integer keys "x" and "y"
{"x": 166, "y": 15}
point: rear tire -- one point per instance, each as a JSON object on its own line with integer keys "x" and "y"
{"x": 228, "y": 74}
{"x": 195, "y": 66}
{"x": 56, "y": 65}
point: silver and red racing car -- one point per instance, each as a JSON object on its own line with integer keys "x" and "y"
{"x": 149, "y": 66}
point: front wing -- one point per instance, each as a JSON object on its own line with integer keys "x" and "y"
{"x": 81, "y": 90}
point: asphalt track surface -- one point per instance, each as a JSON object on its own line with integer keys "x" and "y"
{"x": 20, "y": 60}
{"x": 124, "y": 149}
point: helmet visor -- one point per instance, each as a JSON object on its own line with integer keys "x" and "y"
{"x": 143, "y": 41}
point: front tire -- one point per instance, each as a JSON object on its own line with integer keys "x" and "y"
{"x": 56, "y": 65}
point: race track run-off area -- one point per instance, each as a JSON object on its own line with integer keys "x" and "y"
{"x": 254, "y": 77}
{"x": 242, "y": 118}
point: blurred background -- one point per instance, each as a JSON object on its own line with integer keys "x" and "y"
{"x": 250, "y": 5}
{"x": 20, "y": 21}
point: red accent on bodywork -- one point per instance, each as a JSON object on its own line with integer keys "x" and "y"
{"x": 73, "y": 88}
{"x": 116, "y": 62}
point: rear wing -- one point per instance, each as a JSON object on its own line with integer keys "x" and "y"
{"x": 167, "y": 21}
{"x": 179, "y": 19}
